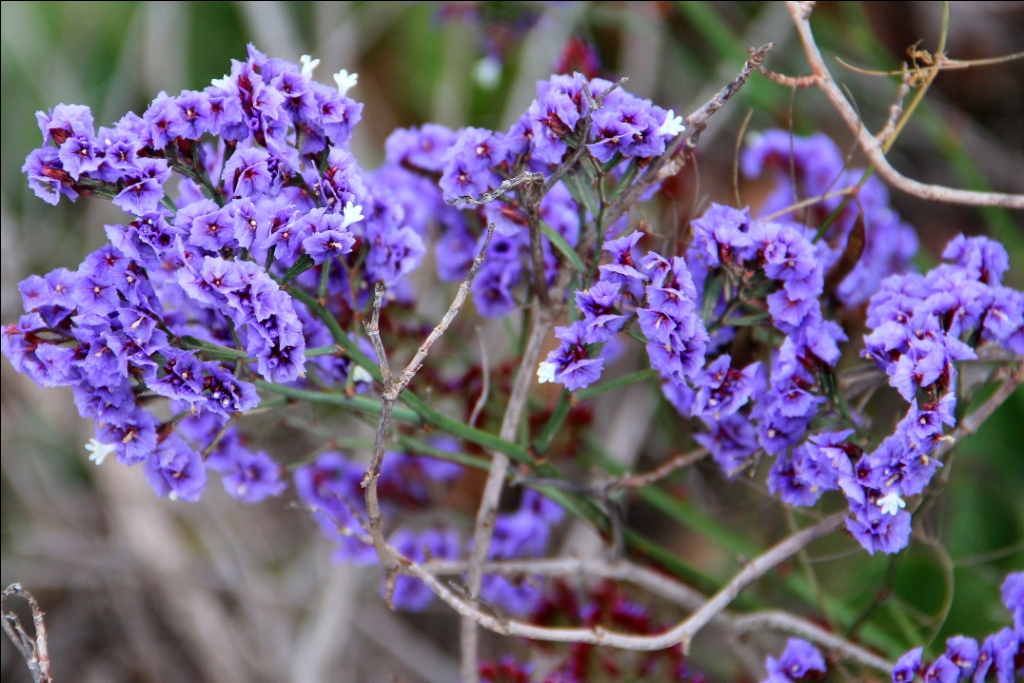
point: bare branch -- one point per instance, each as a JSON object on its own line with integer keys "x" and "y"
{"x": 526, "y": 177}
{"x": 678, "y": 462}
{"x": 34, "y": 651}
{"x": 485, "y": 373}
{"x": 972, "y": 423}
{"x": 869, "y": 145}
{"x": 784, "y": 621}
{"x": 392, "y": 389}
{"x": 667, "y": 164}
{"x": 896, "y": 110}
{"x": 541, "y": 324}
{"x": 682, "y": 633}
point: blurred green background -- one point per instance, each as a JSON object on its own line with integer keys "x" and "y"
{"x": 139, "y": 589}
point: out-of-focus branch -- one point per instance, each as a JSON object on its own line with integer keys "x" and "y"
{"x": 33, "y": 650}
{"x": 784, "y": 621}
{"x": 800, "y": 12}
{"x": 466, "y": 604}
{"x": 392, "y": 389}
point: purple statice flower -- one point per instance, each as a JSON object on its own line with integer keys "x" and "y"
{"x": 999, "y": 655}
{"x": 942, "y": 670}
{"x": 248, "y": 476}
{"x": 599, "y": 315}
{"x": 571, "y": 364}
{"x": 982, "y": 259}
{"x": 622, "y": 267}
{"x": 720, "y": 235}
{"x": 143, "y": 189}
{"x": 732, "y": 442}
{"x": 247, "y": 173}
{"x": 908, "y": 666}
{"x": 798, "y": 660}
{"x": 722, "y": 390}
{"x": 963, "y": 653}
{"x": 422, "y": 148}
{"x": 470, "y": 162}
{"x": 1013, "y": 598}
{"x": 560, "y": 104}
{"x": 175, "y": 470}
{"x": 877, "y": 530}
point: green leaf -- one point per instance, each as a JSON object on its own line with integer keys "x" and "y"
{"x": 747, "y": 320}
{"x": 304, "y": 263}
{"x": 563, "y": 247}
{"x": 712, "y": 291}
{"x": 582, "y": 190}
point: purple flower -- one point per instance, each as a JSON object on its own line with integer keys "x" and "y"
{"x": 797, "y": 661}
{"x": 247, "y": 173}
{"x": 908, "y": 666}
{"x": 1013, "y": 598}
{"x": 175, "y": 470}
{"x": 598, "y": 307}
{"x": 875, "y": 530}
{"x": 571, "y": 363}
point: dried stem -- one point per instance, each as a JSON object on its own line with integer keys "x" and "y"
{"x": 675, "y": 592}
{"x": 678, "y": 462}
{"x": 541, "y": 324}
{"x": 34, "y": 651}
{"x": 682, "y": 633}
{"x": 784, "y": 621}
{"x": 392, "y": 389}
{"x": 871, "y": 147}
{"x": 667, "y": 164}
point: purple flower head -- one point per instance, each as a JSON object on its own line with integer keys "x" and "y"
{"x": 570, "y": 364}
{"x": 908, "y": 666}
{"x": 788, "y": 480}
{"x": 963, "y": 652}
{"x": 999, "y": 654}
{"x": 247, "y": 173}
{"x": 251, "y": 477}
{"x": 984, "y": 259}
{"x": 64, "y": 121}
{"x": 559, "y": 106}
{"x": 731, "y": 441}
{"x": 797, "y": 661}
{"x": 47, "y": 177}
{"x": 598, "y": 307}
{"x": 175, "y": 470}
{"x": 942, "y": 670}
{"x": 422, "y": 148}
{"x": 622, "y": 267}
{"x": 144, "y": 189}
{"x": 192, "y": 115}
{"x": 722, "y": 390}
{"x": 1013, "y": 598}
{"x": 720, "y": 234}
{"x": 876, "y": 530}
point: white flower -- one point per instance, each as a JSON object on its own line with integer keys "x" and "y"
{"x": 673, "y": 125}
{"x": 98, "y": 452}
{"x": 223, "y": 83}
{"x": 487, "y": 72}
{"x": 891, "y": 503}
{"x": 359, "y": 374}
{"x": 546, "y": 372}
{"x": 345, "y": 81}
{"x": 351, "y": 214}
{"x": 308, "y": 64}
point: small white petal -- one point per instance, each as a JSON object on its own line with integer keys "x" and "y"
{"x": 361, "y": 375}
{"x": 353, "y": 213}
{"x": 98, "y": 452}
{"x": 487, "y": 72}
{"x": 546, "y": 372}
{"x": 222, "y": 83}
{"x": 673, "y": 125}
{"x": 891, "y": 503}
{"x": 345, "y": 81}
{"x": 308, "y": 64}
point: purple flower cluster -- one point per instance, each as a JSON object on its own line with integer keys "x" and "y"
{"x": 812, "y": 167}
{"x": 330, "y": 486}
{"x": 189, "y": 300}
{"x": 474, "y": 161}
{"x": 655, "y": 291}
{"x": 796, "y": 663}
{"x": 999, "y": 657}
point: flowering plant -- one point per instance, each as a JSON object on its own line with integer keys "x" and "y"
{"x": 259, "y": 265}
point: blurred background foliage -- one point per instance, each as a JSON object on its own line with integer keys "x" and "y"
{"x": 141, "y": 589}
